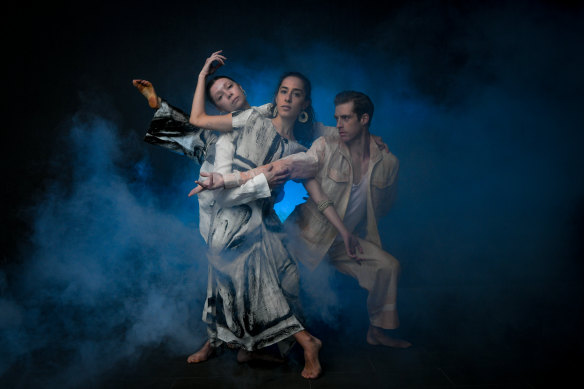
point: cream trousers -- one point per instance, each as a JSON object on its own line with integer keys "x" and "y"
{"x": 378, "y": 273}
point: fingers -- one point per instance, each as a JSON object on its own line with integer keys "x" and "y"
{"x": 278, "y": 182}
{"x": 214, "y": 62}
{"x": 205, "y": 184}
{"x": 144, "y": 83}
{"x": 349, "y": 251}
{"x": 217, "y": 54}
{"x": 217, "y": 57}
{"x": 196, "y": 190}
{"x": 282, "y": 175}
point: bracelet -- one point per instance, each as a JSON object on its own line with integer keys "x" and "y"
{"x": 324, "y": 205}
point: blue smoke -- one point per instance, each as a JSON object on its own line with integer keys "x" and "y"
{"x": 110, "y": 270}
{"x": 482, "y": 108}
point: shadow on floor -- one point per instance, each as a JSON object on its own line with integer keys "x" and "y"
{"x": 463, "y": 337}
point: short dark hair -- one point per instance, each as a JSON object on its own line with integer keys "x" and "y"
{"x": 210, "y": 84}
{"x": 361, "y": 103}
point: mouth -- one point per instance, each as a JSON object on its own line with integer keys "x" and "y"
{"x": 285, "y": 108}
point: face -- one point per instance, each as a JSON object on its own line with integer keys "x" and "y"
{"x": 227, "y": 95}
{"x": 349, "y": 126}
{"x": 291, "y": 98}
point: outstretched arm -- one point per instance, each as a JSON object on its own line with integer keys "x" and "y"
{"x": 199, "y": 117}
{"x": 255, "y": 188}
{"x": 297, "y": 166}
{"x": 316, "y": 193}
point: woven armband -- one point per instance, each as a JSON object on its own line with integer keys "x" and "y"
{"x": 324, "y": 205}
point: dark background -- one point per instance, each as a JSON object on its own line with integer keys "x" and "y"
{"x": 481, "y": 101}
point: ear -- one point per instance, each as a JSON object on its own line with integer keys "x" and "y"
{"x": 306, "y": 104}
{"x": 364, "y": 119}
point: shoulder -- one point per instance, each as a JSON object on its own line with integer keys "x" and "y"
{"x": 264, "y": 110}
{"x": 322, "y": 130}
{"x": 245, "y": 117}
{"x": 389, "y": 158}
{"x": 389, "y": 166}
{"x": 325, "y": 142}
{"x": 330, "y": 141}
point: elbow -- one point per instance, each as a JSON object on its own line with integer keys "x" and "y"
{"x": 196, "y": 120}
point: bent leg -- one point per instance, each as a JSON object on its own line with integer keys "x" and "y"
{"x": 378, "y": 273}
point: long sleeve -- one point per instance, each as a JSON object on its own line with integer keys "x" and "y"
{"x": 387, "y": 188}
{"x": 254, "y": 189}
{"x": 300, "y": 165}
{"x": 170, "y": 128}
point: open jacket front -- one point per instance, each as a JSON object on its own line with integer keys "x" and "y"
{"x": 335, "y": 175}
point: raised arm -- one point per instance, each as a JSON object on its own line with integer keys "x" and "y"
{"x": 199, "y": 117}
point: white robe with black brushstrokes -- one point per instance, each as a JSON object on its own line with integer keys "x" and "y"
{"x": 170, "y": 128}
{"x": 252, "y": 298}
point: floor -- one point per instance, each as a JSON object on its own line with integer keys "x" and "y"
{"x": 459, "y": 341}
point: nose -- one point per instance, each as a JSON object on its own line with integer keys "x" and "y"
{"x": 288, "y": 97}
{"x": 339, "y": 123}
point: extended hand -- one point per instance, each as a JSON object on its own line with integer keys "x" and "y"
{"x": 277, "y": 174}
{"x": 215, "y": 181}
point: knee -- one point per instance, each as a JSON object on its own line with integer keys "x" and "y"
{"x": 388, "y": 265}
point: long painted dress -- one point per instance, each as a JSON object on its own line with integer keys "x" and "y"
{"x": 252, "y": 297}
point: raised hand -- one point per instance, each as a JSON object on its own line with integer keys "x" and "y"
{"x": 214, "y": 62}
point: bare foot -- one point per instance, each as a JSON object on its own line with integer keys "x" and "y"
{"x": 145, "y": 87}
{"x": 247, "y": 356}
{"x": 203, "y": 354}
{"x": 376, "y": 336}
{"x": 311, "y": 346}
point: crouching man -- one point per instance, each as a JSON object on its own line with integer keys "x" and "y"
{"x": 354, "y": 186}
